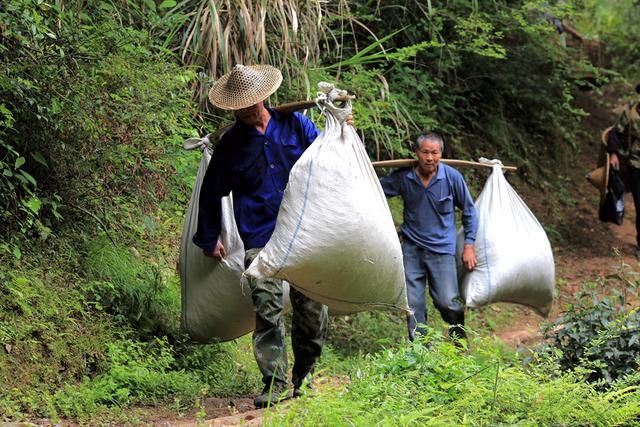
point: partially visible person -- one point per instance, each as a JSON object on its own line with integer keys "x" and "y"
{"x": 431, "y": 191}
{"x": 623, "y": 146}
{"x": 253, "y": 160}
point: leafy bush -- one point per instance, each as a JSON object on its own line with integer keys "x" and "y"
{"x": 367, "y": 332}
{"x": 598, "y": 336}
{"x": 616, "y": 24}
{"x": 49, "y": 336}
{"x": 227, "y": 368}
{"x": 139, "y": 373}
{"x": 92, "y": 114}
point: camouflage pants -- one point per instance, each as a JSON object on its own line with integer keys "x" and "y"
{"x": 309, "y": 328}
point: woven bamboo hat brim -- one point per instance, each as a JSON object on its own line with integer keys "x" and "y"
{"x": 599, "y": 178}
{"x": 245, "y": 86}
{"x": 604, "y": 135}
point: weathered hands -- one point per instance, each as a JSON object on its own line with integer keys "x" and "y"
{"x": 349, "y": 120}
{"x": 469, "y": 259}
{"x": 218, "y": 253}
{"x": 614, "y": 162}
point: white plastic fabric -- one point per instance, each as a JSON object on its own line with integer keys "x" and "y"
{"x": 214, "y": 306}
{"x": 335, "y": 240}
{"x": 515, "y": 261}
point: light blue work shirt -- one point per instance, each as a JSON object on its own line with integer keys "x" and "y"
{"x": 429, "y": 213}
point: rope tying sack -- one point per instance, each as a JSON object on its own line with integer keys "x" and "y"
{"x": 326, "y": 99}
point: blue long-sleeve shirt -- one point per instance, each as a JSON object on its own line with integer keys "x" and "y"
{"x": 429, "y": 213}
{"x": 256, "y": 168}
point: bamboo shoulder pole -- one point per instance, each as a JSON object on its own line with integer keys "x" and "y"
{"x": 403, "y": 163}
{"x": 303, "y": 105}
{"x": 290, "y": 107}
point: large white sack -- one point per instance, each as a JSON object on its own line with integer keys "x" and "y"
{"x": 515, "y": 261}
{"x": 335, "y": 239}
{"x": 214, "y": 306}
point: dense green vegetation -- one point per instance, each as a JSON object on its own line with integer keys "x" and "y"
{"x": 615, "y": 23}
{"x": 96, "y": 98}
{"x": 439, "y": 386}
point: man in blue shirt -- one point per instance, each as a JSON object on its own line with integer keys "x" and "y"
{"x": 430, "y": 191}
{"x": 253, "y": 160}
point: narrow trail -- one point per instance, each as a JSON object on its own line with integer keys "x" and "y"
{"x": 590, "y": 249}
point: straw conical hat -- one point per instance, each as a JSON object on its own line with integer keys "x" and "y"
{"x": 604, "y": 135}
{"x": 599, "y": 178}
{"x": 245, "y": 86}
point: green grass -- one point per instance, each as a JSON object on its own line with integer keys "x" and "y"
{"x": 89, "y": 345}
{"x": 442, "y": 385}
{"x": 75, "y": 359}
{"x": 138, "y": 292}
{"x": 49, "y": 335}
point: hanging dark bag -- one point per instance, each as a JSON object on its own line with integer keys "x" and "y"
{"x": 612, "y": 210}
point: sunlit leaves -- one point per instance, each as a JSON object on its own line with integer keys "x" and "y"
{"x": 478, "y": 36}
{"x": 167, "y": 4}
{"x": 33, "y": 204}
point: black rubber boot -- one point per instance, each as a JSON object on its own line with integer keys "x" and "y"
{"x": 457, "y": 335}
{"x": 272, "y": 394}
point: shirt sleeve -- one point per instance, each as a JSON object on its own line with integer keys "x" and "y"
{"x": 464, "y": 202}
{"x": 215, "y": 186}
{"x": 309, "y": 130}
{"x": 391, "y": 183}
{"x": 613, "y": 141}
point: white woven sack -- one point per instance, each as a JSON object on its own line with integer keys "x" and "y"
{"x": 515, "y": 261}
{"x": 214, "y": 306}
{"x": 335, "y": 239}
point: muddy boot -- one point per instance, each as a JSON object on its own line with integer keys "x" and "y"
{"x": 458, "y": 335}
{"x": 303, "y": 387}
{"x": 272, "y": 394}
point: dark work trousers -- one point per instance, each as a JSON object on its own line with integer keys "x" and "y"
{"x": 308, "y": 334}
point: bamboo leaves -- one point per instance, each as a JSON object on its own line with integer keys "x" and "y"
{"x": 221, "y": 33}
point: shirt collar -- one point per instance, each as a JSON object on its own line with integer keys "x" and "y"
{"x": 413, "y": 175}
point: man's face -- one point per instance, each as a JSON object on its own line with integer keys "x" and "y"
{"x": 251, "y": 114}
{"x": 429, "y": 155}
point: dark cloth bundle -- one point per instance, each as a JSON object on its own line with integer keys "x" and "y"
{"x": 612, "y": 210}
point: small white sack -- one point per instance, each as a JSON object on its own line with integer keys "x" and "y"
{"x": 215, "y": 308}
{"x": 335, "y": 240}
{"x": 515, "y": 261}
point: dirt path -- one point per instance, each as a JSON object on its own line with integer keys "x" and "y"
{"x": 574, "y": 266}
{"x": 587, "y": 248}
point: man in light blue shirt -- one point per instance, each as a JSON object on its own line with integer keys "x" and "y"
{"x": 431, "y": 191}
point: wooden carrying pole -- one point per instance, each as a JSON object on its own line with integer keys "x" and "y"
{"x": 290, "y": 107}
{"x": 295, "y": 106}
{"x": 403, "y": 163}
{"x": 303, "y": 105}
